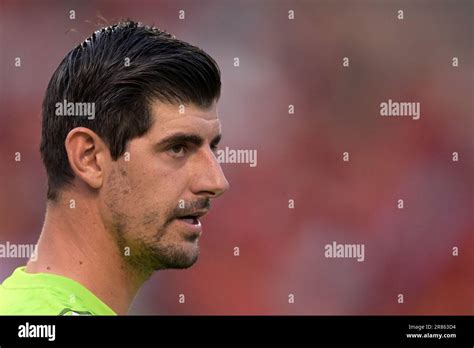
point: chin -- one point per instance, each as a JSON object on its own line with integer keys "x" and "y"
{"x": 178, "y": 256}
{"x": 190, "y": 254}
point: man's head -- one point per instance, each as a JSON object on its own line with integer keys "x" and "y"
{"x": 146, "y": 157}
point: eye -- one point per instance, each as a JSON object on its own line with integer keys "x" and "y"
{"x": 214, "y": 148}
{"x": 177, "y": 150}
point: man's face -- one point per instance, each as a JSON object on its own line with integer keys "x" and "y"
{"x": 164, "y": 179}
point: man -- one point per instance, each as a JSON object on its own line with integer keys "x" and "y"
{"x": 129, "y": 135}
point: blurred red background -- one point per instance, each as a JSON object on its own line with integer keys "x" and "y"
{"x": 407, "y": 251}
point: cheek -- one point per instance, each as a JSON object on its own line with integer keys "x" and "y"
{"x": 158, "y": 183}
{"x": 146, "y": 197}
{"x": 118, "y": 194}
{"x": 155, "y": 183}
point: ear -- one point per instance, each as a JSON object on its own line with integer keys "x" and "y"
{"x": 87, "y": 155}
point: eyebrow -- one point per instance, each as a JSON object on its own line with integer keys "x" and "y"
{"x": 194, "y": 139}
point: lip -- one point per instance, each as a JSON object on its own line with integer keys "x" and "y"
{"x": 199, "y": 213}
{"x": 192, "y": 231}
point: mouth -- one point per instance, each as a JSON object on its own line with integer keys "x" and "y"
{"x": 192, "y": 224}
{"x": 193, "y": 218}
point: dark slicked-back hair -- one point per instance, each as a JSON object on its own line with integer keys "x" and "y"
{"x": 121, "y": 69}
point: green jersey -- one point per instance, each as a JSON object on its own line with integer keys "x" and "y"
{"x": 47, "y": 294}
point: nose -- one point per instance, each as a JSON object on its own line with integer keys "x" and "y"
{"x": 209, "y": 179}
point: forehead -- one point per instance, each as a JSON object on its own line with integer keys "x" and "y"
{"x": 174, "y": 115}
{"x": 169, "y": 119}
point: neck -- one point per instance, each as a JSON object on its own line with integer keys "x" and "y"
{"x": 76, "y": 244}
